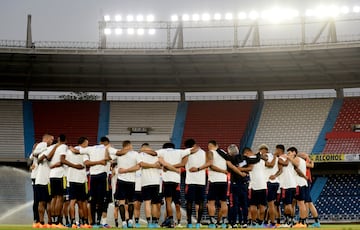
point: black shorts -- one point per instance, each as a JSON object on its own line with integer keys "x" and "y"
{"x": 307, "y": 195}
{"x": 258, "y": 197}
{"x": 78, "y": 191}
{"x": 217, "y": 191}
{"x": 170, "y": 189}
{"x": 300, "y": 193}
{"x": 272, "y": 189}
{"x": 98, "y": 188}
{"x": 42, "y": 193}
{"x": 151, "y": 192}
{"x": 125, "y": 190}
{"x": 138, "y": 196}
{"x": 57, "y": 187}
{"x": 195, "y": 193}
{"x": 288, "y": 195}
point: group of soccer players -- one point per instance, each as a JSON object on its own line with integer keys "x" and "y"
{"x": 240, "y": 189}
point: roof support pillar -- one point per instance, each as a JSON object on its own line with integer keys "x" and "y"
{"x": 339, "y": 93}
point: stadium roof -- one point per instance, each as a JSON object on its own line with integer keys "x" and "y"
{"x": 189, "y": 70}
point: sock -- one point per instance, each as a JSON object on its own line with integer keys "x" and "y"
{"x": 86, "y": 221}
{"x": 189, "y": 212}
{"x": 178, "y": 221}
{"x": 200, "y": 213}
{"x": 213, "y": 220}
{"x": 73, "y": 221}
{"x": 122, "y": 211}
{"x": 131, "y": 210}
{"x": 116, "y": 223}
{"x": 302, "y": 221}
{"x": 278, "y": 220}
{"x": 136, "y": 220}
{"x": 155, "y": 220}
{"x": 66, "y": 220}
{"x": 148, "y": 219}
{"x": 103, "y": 220}
{"x": 316, "y": 219}
{"x": 42, "y": 222}
{"x": 223, "y": 220}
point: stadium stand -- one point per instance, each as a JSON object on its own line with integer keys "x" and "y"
{"x": 12, "y": 130}
{"x": 339, "y": 200}
{"x": 73, "y": 118}
{"x": 342, "y": 138}
{"x": 295, "y": 122}
{"x": 141, "y": 122}
{"x": 223, "y": 121}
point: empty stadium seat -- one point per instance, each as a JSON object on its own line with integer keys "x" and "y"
{"x": 296, "y": 122}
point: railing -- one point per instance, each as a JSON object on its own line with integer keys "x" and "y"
{"x": 341, "y": 39}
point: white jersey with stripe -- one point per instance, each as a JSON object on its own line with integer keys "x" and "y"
{"x": 272, "y": 171}
{"x": 258, "y": 176}
{"x": 196, "y": 160}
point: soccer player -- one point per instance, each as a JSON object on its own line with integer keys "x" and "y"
{"x": 272, "y": 182}
{"x": 96, "y": 158}
{"x": 238, "y": 189}
{"x": 308, "y": 202}
{"x": 77, "y": 179}
{"x": 171, "y": 179}
{"x": 125, "y": 187}
{"x": 42, "y": 180}
{"x": 150, "y": 182}
{"x": 195, "y": 165}
{"x": 288, "y": 185}
{"x": 56, "y": 156}
{"x": 301, "y": 181}
{"x": 137, "y": 195}
{"x": 34, "y": 169}
{"x": 218, "y": 185}
{"x": 258, "y": 188}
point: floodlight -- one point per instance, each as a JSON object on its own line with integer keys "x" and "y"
{"x": 118, "y": 31}
{"x": 333, "y": 11}
{"x": 344, "y": 10}
{"x": 309, "y": 13}
{"x": 321, "y": 12}
{"x": 195, "y": 17}
{"x": 253, "y": 15}
{"x": 107, "y": 18}
{"x": 217, "y": 16}
{"x": 151, "y": 31}
{"x": 139, "y": 18}
{"x": 150, "y": 18}
{"x": 107, "y": 31}
{"x": 205, "y": 17}
{"x": 130, "y": 18}
{"x": 174, "y": 18}
{"x": 242, "y": 15}
{"x": 130, "y": 31}
{"x": 118, "y": 18}
{"x": 228, "y": 16}
{"x": 356, "y": 9}
{"x": 265, "y": 14}
{"x": 140, "y": 31}
{"x": 185, "y": 17}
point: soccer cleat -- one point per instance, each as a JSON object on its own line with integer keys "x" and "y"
{"x": 244, "y": 226}
{"x": 61, "y": 226}
{"x": 223, "y": 225}
{"x": 130, "y": 224}
{"x": 189, "y": 225}
{"x": 96, "y": 226}
{"x": 74, "y": 226}
{"x": 285, "y": 226}
{"x": 137, "y": 225}
{"x": 315, "y": 225}
{"x": 300, "y": 225}
{"x": 106, "y": 226}
{"x": 36, "y": 225}
{"x": 212, "y": 225}
{"x": 198, "y": 226}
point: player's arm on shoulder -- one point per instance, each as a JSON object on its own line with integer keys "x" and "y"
{"x": 300, "y": 173}
{"x": 208, "y": 163}
{"x": 149, "y": 165}
{"x": 128, "y": 170}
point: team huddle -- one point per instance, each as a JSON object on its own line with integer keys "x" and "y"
{"x": 240, "y": 190}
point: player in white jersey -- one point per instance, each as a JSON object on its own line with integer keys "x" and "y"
{"x": 288, "y": 185}
{"x": 171, "y": 179}
{"x": 56, "y": 156}
{"x": 150, "y": 179}
{"x": 272, "y": 182}
{"x": 96, "y": 158}
{"x": 195, "y": 165}
{"x": 34, "y": 169}
{"x": 125, "y": 188}
{"x": 258, "y": 186}
{"x": 39, "y": 191}
{"x": 42, "y": 183}
{"x": 77, "y": 179}
{"x": 301, "y": 181}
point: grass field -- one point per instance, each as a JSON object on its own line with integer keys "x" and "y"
{"x": 324, "y": 226}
